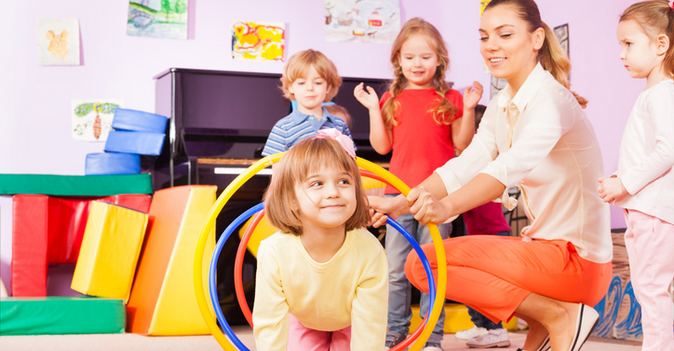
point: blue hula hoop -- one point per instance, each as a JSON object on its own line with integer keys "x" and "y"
{"x": 242, "y": 218}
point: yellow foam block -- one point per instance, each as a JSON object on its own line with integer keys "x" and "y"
{"x": 263, "y": 230}
{"x": 110, "y": 248}
{"x": 456, "y": 319}
{"x": 163, "y": 301}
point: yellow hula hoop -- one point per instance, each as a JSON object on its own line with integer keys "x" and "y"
{"x": 200, "y": 280}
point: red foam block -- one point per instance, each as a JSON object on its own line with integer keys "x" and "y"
{"x": 48, "y": 230}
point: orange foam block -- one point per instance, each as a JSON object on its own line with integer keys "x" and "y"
{"x": 163, "y": 301}
{"x": 109, "y": 253}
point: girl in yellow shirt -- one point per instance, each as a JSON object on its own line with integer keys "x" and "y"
{"x": 321, "y": 281}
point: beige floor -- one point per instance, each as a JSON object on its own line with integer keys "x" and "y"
{"x": 133, "y": 342}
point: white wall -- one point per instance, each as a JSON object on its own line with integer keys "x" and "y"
{"x": 35, "y": 134}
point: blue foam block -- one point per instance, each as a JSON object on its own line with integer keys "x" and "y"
{"x": 111, "y": 163}
{"x": 142, "y": 143}
{"x": 140, "y": 121}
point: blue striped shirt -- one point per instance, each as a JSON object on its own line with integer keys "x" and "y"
{"x": 297, "y": 126}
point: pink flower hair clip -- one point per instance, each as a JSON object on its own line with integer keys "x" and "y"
{"x": 343, "y": 140}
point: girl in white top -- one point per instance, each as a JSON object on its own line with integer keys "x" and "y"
{"x": 644, "y": 182}
{"x": 321, "y": 281}
{"x": 534, "y": 135}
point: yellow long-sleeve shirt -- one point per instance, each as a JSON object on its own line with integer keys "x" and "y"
{"x": 350, "y": 289}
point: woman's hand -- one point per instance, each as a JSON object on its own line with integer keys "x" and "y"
{"x": 426, "y": 209}
{"x": 366, "y": 96}
{"x": 611, "y": 189}
{"x": 382, "y": 206}
{"x": 472, "y": 95}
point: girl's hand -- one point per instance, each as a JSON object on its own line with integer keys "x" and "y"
{"x": 426, "y": 209}
{"x": 611, "y": 189}
{"x": 381, "y": 206}
{"x": 368, "y": 97}
{"x": 472, "y": 95}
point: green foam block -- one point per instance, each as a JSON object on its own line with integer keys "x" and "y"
{"x": 61, "y": 315}
{"x": 65, "y": 185}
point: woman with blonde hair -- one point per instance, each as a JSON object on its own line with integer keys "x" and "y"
{"x": 534, "y": 135}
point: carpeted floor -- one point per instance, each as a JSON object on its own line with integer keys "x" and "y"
{"x": 133, "y": 342}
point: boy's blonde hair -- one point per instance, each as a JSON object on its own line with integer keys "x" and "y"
{"x": 444, "y": 112}
{"x": 298, "y": 65}
{"x": 281, "y": 205}
{"x": 655, "y": 17}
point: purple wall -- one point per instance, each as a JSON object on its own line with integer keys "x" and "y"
{"x": 35, "y": 129}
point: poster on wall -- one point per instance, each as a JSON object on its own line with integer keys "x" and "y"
{"x": 366, "y": 21}
{"x": 59, "y": 42}
{"x": 483, "y": 4}
{"x": 92, "y": 119}
{"x": 263, "y": 41}
{"x": 166, "y": 19}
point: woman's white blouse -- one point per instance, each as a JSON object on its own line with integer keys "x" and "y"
{"x": 541, "y": 141}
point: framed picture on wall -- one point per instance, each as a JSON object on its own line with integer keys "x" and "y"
{"x": 562, "y": 33}
{"x": 496, "y": 85}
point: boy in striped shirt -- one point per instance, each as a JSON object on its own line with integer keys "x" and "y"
{"x": 311, "y": 79}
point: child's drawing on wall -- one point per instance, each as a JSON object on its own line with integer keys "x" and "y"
{"x": 158, "y": 18}
{"x": 59, "y": 41}
{"x": 483, "y": 5}
{"x": 258, "y": 41}
{"x": 368, "y": 21}
{"x": 92, "y": 120}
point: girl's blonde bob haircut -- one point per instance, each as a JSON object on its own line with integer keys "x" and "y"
{"x": 299, "y": 64}
{"x": 306, "y": 157}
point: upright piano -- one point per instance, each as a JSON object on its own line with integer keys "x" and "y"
{"x": 219, "y": 122}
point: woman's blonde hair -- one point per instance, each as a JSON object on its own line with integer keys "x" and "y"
{"x": 307, "y": 156}
{"x": 551, "y": 55}
{"x": 298, "y": 65}
{"x": 655, "y": 17}
{"x": 444, "y": 112}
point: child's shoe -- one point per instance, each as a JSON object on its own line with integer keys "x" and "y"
{"x": 470, "y": 333}
{"x": 432, "y": 347}
{"x": 393, "y": 340}
{"x": 493, "y": 338}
